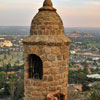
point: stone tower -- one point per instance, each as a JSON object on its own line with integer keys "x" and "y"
{"x": 46, "y": 52}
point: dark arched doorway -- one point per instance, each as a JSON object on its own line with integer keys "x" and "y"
{"x": 35, "y": 67}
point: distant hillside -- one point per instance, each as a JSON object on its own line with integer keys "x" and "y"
{"x": 26, "y": 29}
{"x": 92, "y": 30}
{"x": 14, "y": 29}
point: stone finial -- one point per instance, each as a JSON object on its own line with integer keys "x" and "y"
{"x": 47, "y": 6}
{"x": 48, "y": 3}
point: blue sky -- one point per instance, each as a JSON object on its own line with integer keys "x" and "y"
{"x": 74, "y": 13}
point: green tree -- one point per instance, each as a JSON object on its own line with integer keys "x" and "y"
{"x": 16, "y": 85}
{"x": 2, "y": 79}
{"x": 94, "y": 93}
{"x": 3, "y": 84}
{"x": 12, "y": 85}
{"x": 5, "y": 56}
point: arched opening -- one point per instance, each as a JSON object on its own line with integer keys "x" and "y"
{"x": 35, "y": 67}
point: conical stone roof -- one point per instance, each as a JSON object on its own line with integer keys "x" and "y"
{"x": 47, "y": 27}
{"x": 47, "y": 21}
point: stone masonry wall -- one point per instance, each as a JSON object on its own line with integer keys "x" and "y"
{"x": 47, "y": 23}
{"x": 55, "y": 71}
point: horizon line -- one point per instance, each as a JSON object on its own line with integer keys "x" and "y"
{"x": 64, "y": 26}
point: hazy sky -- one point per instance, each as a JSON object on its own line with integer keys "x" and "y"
{"x": 74, "y": 13}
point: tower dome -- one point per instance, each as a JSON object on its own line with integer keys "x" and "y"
{"x": 47, "y": 21}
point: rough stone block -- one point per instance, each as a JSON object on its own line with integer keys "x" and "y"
{"x": 55, "y": 50}
{"x": 46, "y": 84}
{"x": 36, "y": 93}
{"x": 51, "y": 57}
{"x": 50, "y": 78}
{"x": 47, "y": 64}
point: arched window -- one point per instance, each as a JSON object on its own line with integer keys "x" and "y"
{"x": 35, "y": 67}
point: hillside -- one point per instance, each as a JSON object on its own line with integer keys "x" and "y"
{"x": 14, "y": 29}
{"x": 26, "y": 29}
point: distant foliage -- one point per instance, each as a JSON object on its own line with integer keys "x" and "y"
{"x": 12, "y": 85}
{"x": 94, "y": 93}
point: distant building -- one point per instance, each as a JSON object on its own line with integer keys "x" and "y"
{"x": 94, "y": 76}
{"x": 78, "y": 87}
{"x": 6, "y": 43}
{"x": 75, "y": 87}
{"x": 72, "y": 52}
{"x": 95, "y": 58}
{"x": 9, "y": 73}
{"x": 1, "y": 38}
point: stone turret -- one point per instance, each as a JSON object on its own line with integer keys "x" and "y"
{"x": 46, "y": 52}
